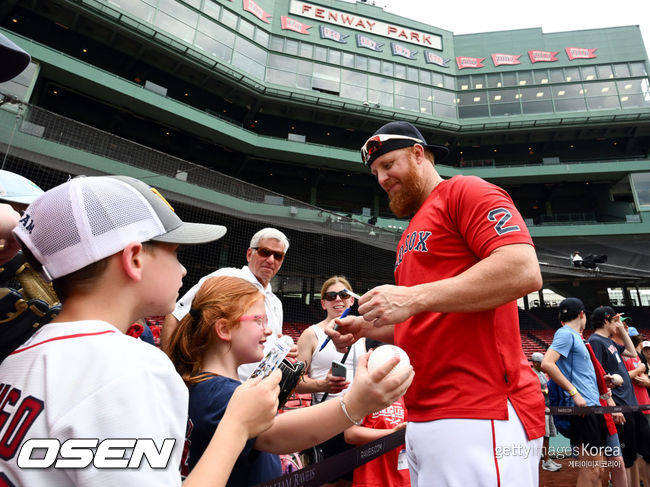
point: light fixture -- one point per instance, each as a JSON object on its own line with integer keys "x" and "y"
{"x": 539, "y": 94}
{"x": 464, "y": 87}
{"x": 605, "y": 89}
{"x": 625, "y": 98}
{"x": 497, "y": 97}
{"x": 627, "y": 87}
{"x": 522, "y": 81}
{"x": 561, "y": 93}
{"x": 479, "y": 86}
{"x": 544, "y": 81}
{"x": 477, "y": 99}
{"x": 568, "y": 78}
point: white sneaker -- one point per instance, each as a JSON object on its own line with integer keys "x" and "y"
{"x": 550, "y": 466}
{"x": 554, "y": 463}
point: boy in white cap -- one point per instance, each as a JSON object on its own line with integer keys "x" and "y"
{"x": 109, "y": 246}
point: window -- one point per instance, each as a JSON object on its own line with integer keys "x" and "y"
{"x": 572, "y": 74}
{"x": 536, "y": 100}
{"x": 306, "y": 50}
{"x": 494, "y": 81}
{"x": 569, "y": 98}
{"x": 605, "y": 72}
{"x": 524, "y": 78}
{"x": 621, "y": 71}
{"x": 178, "y": 29}
{"x": 291, "y": 47}
{"x": 348, "y": 60}
{"x": 246, "y": 29}
{"x": 213, "y": 47}
{"x": 541, "y": 76}
{"x": 249, "y": 57}
{"x": 212, "y": 9}
{"x": 472, "y": 104}
{"x": 228, "y": 18}
{"x": 601, "y": 96}
{"x": 588, "y": 73}
{"x": 641, "y": 189}
{"x": 638, "y": 69}
{"x": 504, "y": 103}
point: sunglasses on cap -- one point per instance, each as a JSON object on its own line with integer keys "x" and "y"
{"x": 331, "y": 295}
{"x": 266, "y": 253}
{"x": 374, "y": 143}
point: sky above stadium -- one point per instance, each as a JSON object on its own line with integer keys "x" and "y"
{"x": 475, "y": 16}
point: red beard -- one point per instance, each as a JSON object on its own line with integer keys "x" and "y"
{"x": 408, "y": 199}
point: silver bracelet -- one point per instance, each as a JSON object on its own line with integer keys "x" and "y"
{"x": 345, "y": 411}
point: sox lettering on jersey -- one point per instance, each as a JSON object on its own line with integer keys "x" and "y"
{"x": 416, "y": 242}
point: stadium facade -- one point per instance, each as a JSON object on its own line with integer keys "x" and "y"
{"x": 281, "y": 94}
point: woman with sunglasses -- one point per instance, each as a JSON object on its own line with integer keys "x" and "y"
{"x": 319, "y": 380}
{"x": 226, "y": 327}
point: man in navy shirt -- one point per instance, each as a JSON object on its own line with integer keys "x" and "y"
{"x": 634, "y": 434}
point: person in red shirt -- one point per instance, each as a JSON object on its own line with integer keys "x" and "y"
{"x": 461, "y": 264}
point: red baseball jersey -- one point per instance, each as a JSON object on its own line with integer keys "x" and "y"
{"x": 467, "y": 364}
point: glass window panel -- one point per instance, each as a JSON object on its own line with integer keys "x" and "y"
{"x": 638, "y": 69}
{"x": 228, "y": 18}
{"x": 282, "y": 62}
{"x": 320, "y": 53}
{"x": 211, "y": 8}
{"x": 509, "y": 79}
{"x": 400, "y": 71}
{"x": 248, "y": 65}
{"x": 277, "y": 43}
{"x": 382, "y": 98}
{"x": 407, "y": 103}
{"x": 557, "y": 75}
{"x": 605, "y": 72}
{"x": 306, "y": 50}
{"x": 426, "y": 107}
{"x": 261, "y": 37}
{"x": 504, "y": 102}
{"x": 473, "y": 111}
{"x": 291, "y": 47}
{"x": 194, "y": 3}
{"x": 246, "y": 28}
{"x": 601, "y": 96}
{"x": 588, "y": 73}
{"x": 525, "y": 78}
{"x": 437, "y": 80}
{"x": 213, "y": 47}
{"x": 354, "y": 92}
{"x": 348, "y": 60}
{"x": 634, "y": 100}
{"x": 538, "y": 106}
{"x": 381, "y": 84}
{"x": 305, "y": 67}
{"x": 279, "y": 77}
{"x": 334, "y": 57}
{"x": 361, "y": 62}
{"x": 570, "y": 105}
{"x": 387, "y": 68}
{"x": 140, "y": 10}
{"x": 374, "y": 66}
{"x": 641, "y": 188}
{"x": 354, "y": 78}
{"x": 250, "y": 50}
{"x": 604, "y": 88}
{"x": 442, "y": 96}
{"x": 541, "y": 76}
{"x": 303, "y": 81}
{"x": 572, "y": 74}
{"x": 179, "y": 12}
{"x": 424, "y": 77}
{"x": 478, "y": 82}
{"x": 463, "y": 83}
{"x": 411, "y": 74}
{"x": 327, "y": 72}
{"x": 621, "y": 70}
{"x": 535, "y": 94}
{"x": 603, "y": 103}
{"x": 171, "y": 25}
{"x": 217, "y": 32}
{"x": 426, "y": 93}
{"x": 630, "y": 86}
{"x": 448, "y": 82}
{"x": 494, "y": 80}
{"x": 445, "y": 111}
{"x": 406, "y": 89}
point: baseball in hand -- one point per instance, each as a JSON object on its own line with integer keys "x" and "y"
{"x": 617, "y": 380}
{"x": 385, "y": 352}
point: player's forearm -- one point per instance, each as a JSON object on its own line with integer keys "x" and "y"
{"x": 507, "y": 274}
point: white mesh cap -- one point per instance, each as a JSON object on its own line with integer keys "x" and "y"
{"x": 89, "y": 218}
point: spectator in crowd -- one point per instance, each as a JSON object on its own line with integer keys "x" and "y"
{"x": 547, "y": 461}
{"x": 461, "y": 264}
{"x": 634, "y": 432}
{"x": 319, "y": 379}
{"x": 80, "y": 376}
{"x": 265, "y": 255}
{"x": 226, "y": 327}
{"x": 568, "y": 363}
{"x": 391, "y": 468}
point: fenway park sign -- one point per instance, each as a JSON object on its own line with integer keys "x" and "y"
{"x": 367, "y": 25}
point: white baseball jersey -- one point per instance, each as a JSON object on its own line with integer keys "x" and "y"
{"x": 272, "y": 304}
{"x": 86, "y": 379}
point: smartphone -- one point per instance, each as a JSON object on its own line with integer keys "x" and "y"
{"x": 339, "y": 370}
{"x": 273, "y": 357}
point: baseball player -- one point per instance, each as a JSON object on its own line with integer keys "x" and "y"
{"x": 464, "y": 259}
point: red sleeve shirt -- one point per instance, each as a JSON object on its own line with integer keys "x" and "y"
{"x": 467, "y": 364}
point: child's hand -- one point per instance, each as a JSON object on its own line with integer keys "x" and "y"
{"x": 376, "y": 390}
{"x": 254, "y": 404}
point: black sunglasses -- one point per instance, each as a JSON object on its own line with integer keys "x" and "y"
{"x": 331, "y": 295}
{"x": 266, "y": 253}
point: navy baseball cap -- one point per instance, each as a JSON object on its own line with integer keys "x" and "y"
{"x": 602, "y": 313}
{"x": 570, "y": 308}
{"x": 397, "y": 135}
